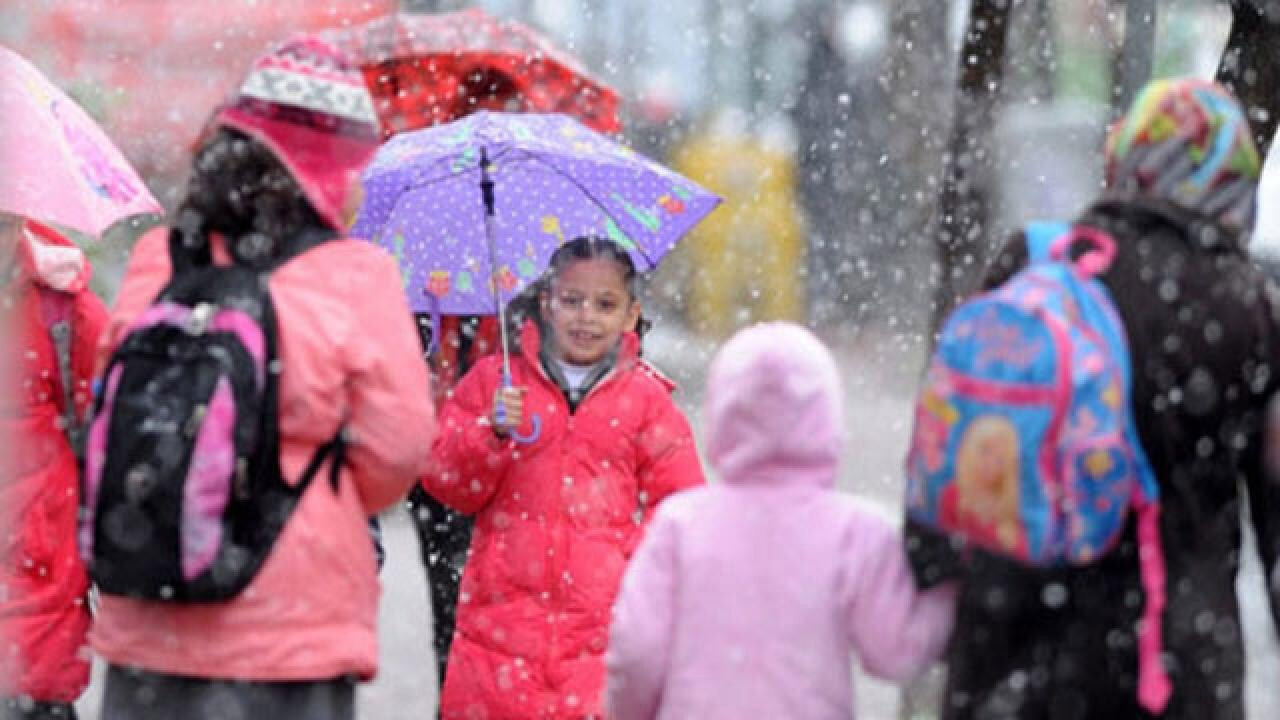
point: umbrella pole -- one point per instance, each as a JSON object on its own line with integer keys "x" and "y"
{"x": 490, "y": 233}
{"x": 486, "y": 190}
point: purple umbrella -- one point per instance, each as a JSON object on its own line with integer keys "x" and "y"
{"x": 473, "y": 209}
{"x": 553, "y": 179}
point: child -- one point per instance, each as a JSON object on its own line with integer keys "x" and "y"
{"x": 444, "y": 536}
{"x": 295, "y": 640}
{"x": 44, "y": 391}
{"x": 557, "y": 515}
{"x": 747, "y": 598}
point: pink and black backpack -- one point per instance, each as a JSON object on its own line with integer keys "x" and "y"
{"x": 183, "y": 495}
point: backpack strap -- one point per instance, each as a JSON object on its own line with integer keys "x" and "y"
{"x": 1054, "y": 242}
{"x": 336, "y": 447}
{"x": 1154, "y": 686}
{"x": 56, "y": 310}
{"x": 1040, "y": 236}
{"x": 375, "y": 535}
{"x": 188, "y": 250}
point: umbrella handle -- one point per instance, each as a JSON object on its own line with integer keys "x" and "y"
{"x": 535, "y": 421}
{"x": 434, "y": 301}
{"x": 500, "y": 414}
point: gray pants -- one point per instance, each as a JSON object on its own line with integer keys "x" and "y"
{"x": 141, "y": 695}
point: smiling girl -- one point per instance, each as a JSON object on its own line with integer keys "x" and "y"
{"x": 561, "y": 470}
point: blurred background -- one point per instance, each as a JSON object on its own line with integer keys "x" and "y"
{"x": 822, "y": 123}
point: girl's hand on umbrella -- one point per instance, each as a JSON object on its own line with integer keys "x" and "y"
{"x": 508, "y": 409}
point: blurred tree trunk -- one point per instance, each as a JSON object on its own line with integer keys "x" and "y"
{"x": 825, "y": 135}
{"x": 421, "y": 6}
{"x": 914, "y": 83}
{"x": 1131, "y": 64}
{"x": 1250, "y": 65}
{"x": 963, "y": 205}
{"x": 902, "y": 176}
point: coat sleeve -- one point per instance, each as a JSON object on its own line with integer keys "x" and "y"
{"x": 87, "y": 326}
{"x": 1261, "y": 461}
{"x": 896, "y": 630}
{"x": 468, "y": 461}
{"x": 668, "y": 454}
{"x": 933, "y": 557}
{"x": 640, "y": 637}
{"x": 391, "y": 421}
{"x": 1263, "y": 488}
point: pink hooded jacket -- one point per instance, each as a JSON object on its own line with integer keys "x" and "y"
{"x": 350, "y": 355}
{"x": 747, "y": 598}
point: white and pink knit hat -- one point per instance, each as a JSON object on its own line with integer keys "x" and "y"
{"x": 308, "y": 103}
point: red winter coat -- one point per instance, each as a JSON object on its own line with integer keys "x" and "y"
{"x": 556, "y": 521}
{"x": 43, "y": 616}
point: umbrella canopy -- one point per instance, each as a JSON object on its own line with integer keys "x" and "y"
{"x": 154, "y": 71}
{"x": 59, "y": 167}
{"x": 554, "y": 179}
{"x": 423, "y": 69}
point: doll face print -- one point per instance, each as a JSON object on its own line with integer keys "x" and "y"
{"x": 987, "y": 478}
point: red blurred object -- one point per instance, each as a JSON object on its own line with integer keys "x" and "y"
{"x": 151, "y": 71}
{"x": 428, "y": 69}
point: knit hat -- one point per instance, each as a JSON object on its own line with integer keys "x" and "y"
{"x": 308, "y": 104}
{"x": 1186, "y": 141}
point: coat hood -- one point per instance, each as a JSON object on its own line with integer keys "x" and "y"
{"x": 774, "y": 411}
{"x": 51, "y": 260}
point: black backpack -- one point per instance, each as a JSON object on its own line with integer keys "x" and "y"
{"x": 183, "y": 494}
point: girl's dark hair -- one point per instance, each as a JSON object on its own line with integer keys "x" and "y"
{"x": 528, "y": 304}
{"x": 239, "y": 190}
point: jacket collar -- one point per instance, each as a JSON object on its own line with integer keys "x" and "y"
{"x": 531, "y": 346}
{"x": 625, "y": 357}
{"x": 1200, "y": 230}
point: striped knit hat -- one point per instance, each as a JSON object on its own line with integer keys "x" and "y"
{"x": 1186, "y": 141}
{"x": 309, "y": 105}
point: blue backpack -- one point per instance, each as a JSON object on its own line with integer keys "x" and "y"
{"x": 1024, "y": 442}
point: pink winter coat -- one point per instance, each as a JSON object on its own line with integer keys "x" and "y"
{"x": 43, "y": 613}
{"x": 749, "y": 599}
{"x": 350, "y": 356}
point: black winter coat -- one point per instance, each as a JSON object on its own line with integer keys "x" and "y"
{"x": 1060, "y": 644}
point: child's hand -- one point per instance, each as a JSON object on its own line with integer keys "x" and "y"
{"x": 511, "y": 400}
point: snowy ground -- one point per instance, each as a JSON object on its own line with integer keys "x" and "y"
{"x": 879, "y": 373}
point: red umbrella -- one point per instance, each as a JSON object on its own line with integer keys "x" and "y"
{"x": 425, "y": 69}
